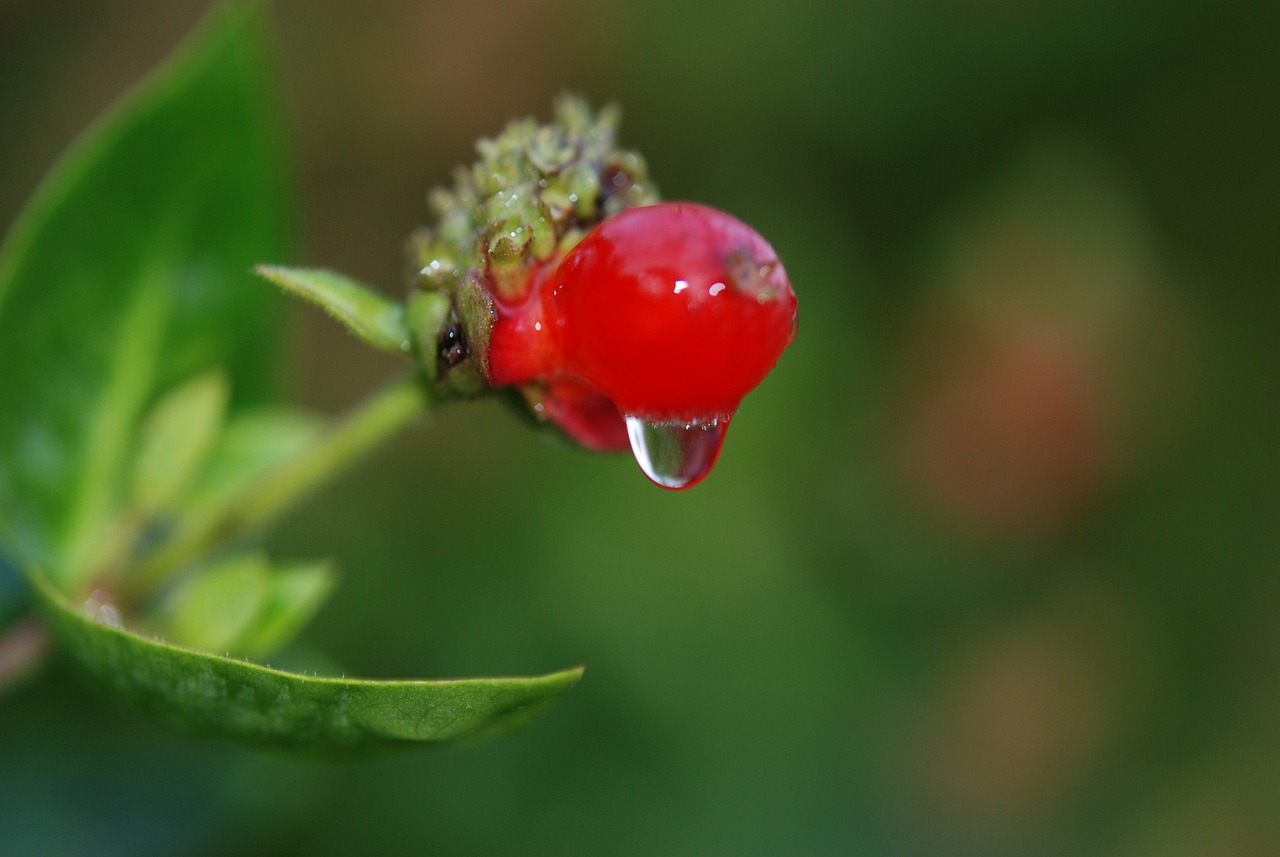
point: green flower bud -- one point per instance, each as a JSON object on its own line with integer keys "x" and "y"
{"x": 534, "y": 191}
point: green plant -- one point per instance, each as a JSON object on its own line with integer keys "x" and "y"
{"x": 140, "y": 453}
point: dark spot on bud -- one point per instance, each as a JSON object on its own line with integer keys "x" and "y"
{"x": 750, "y": 276}
{"x": 614, "y": 181}
{"x": 451, "y": 348}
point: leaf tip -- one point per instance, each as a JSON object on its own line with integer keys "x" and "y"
{"x": 374, "y": 318}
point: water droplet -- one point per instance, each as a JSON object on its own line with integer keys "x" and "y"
{"x": 676, "y": 455}
{"x": 99, "y": 608}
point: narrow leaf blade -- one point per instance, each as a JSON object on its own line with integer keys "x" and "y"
{"x": 174, "y": 439}
{"x": 373, "y": 317}
{"x": 295, "y": 593}
{"x": 235, "y": 699}
{"x": 215, "y": 607}
{"x": 370, "y": 316}
{"x": 252, "y": 444}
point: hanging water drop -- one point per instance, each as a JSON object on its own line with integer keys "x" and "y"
{"x": 676, "y": 455}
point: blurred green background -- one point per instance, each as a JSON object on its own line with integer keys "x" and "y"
{"x": 988, "y": 565}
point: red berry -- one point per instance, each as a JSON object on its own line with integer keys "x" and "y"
{"x": 674, "y": 311}
{"x": 671, "y": 312}
{"x": 585, "y": 414}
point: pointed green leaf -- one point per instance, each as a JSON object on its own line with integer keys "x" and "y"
{"x": 250, "y": 449}
{"x": 215, "y": 607}
{"x": 220, "y": 696}
{"x": 367, "y": 314}
{"x": 295, "y": 593}
{"x": 336, "y": 449}
{"x": 130, "y": 270}
{"x": 252, "y": 444}
{"x": 174, "y": 438}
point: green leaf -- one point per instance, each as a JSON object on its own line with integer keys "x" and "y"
{"x": 130, "y": 270}
{"x": 213, "y": 608}
{"x": 220, "y": 696}
{"x": 241, "y": 606}
{"x": 265, "y": 499}
{"x": 252, "y": 444}
{"x": 370, "y": 316}
{"x": 249, "y": 450}
{"x": 296, "y": 593}
{"x": 174, "y": 439}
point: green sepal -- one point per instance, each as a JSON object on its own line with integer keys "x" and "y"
{"x": 375, "y": 319}
{"x": 426, "y": 314}
{"x": 429, "y": 314}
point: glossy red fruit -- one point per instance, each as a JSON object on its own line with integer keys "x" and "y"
{"x": 674, "y": 311}
{"x": 668, "y": 315}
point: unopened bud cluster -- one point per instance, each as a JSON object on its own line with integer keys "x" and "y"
{"x": 534, "y": 192}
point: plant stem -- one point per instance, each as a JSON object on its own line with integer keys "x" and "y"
{"x": 344, "y": 443}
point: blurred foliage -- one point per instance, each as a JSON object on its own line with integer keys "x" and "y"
{"x": 99, "y": 310}
{"x": 988, "y": 564}
{"x": 126, "y": 275}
